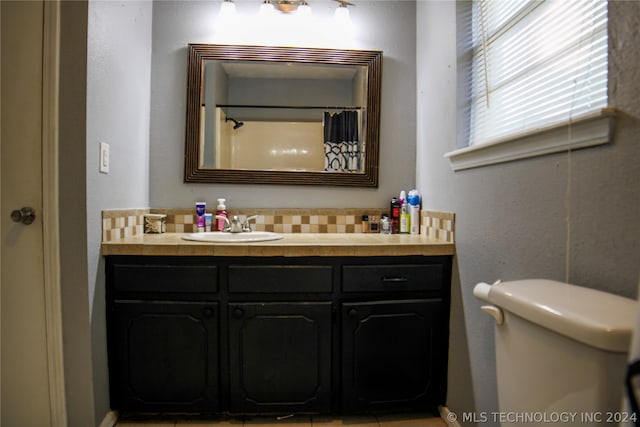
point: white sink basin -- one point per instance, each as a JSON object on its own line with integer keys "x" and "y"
{"x": 224, "y": 237}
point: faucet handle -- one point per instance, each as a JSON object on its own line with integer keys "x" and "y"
{"x": 227, "y": 225}
{"x": 247, "y": 226}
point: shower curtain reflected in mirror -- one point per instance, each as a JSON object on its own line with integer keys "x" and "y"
{"x": 341, "y": 147}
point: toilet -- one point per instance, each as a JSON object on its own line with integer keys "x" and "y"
{"x": 561, "y": 352}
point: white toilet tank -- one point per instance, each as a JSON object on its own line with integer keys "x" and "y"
{"x": 561, "y": 352}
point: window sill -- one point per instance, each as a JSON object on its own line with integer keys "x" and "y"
{"x": 586, "y": 131}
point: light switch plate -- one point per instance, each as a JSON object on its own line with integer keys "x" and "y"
{"x": 104, "y": 157}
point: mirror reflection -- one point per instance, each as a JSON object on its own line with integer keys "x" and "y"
{"x": 282, "y": 115}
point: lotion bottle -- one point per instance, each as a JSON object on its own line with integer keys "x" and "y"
{"x": 221, "y": 211}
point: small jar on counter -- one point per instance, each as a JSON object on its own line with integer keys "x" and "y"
{"x": 155, "y": 223}
{"x": 385, "y": 224}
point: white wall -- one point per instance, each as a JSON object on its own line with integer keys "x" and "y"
{"x": 510, "y": 218}
{"x": 118, "y": 110}
{"x": 380, "y": 25}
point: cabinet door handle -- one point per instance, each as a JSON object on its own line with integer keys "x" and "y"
{"x": 238, "y": 313}
{"x": 353, "y": 313}
{"x": 207, "y": 312}
{"x": 394, "y": 280}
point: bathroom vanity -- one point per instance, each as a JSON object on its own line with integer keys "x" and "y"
{"x": 307, "y": 324}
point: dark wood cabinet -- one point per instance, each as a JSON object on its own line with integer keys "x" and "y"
{"x": 390, "y": 357}
{"x": 257, "y": 335}
{"x": 163, "y": 356}
{"x": 280, "y": 357}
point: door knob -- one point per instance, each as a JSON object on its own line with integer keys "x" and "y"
{"x": 25, "y": 215}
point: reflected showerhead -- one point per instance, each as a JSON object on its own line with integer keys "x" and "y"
{"x": 236, "y": 124}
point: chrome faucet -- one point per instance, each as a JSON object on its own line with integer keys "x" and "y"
{"x": 247, "y": 226}
{"x": 235, "y": 225}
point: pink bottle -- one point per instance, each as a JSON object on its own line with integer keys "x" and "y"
{"x": 221, "y": 211}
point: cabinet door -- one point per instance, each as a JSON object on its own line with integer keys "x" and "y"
{"x": 280, "y": 357}
{"x": 390, "y": 351}
{"x": 163, "y": 356}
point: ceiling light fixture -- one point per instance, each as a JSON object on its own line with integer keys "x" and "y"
{"x": 228, "y": 7}
{"x": 287, "y": 6}
{"x": 304, "y": 9}
{"x": 266, "y": 8}
{"x": 342, "y": 12}
{"x": 290, "y": 6}
{"x": 284, "y": 22}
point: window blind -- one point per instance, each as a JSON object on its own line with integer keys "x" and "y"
{"x": 534, "y": 64}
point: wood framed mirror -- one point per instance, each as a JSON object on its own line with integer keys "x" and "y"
{"x": 282, "y": 115}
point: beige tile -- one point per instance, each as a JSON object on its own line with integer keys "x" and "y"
{"x": 220, "y": 422}
{"x": 295, "y": 421}
{"x": 298, "y": 421}
{"x": 355, "y": 421}
{"x": 146, "y": 423}
{"x": 409, "y": 421}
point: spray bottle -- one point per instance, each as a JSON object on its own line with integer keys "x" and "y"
{"x": 404, "y": 214}
{"x": 414, "y": 211}
{"x": 394, "y": 216}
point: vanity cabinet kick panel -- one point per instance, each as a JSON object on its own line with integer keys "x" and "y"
{"x": 259, "y": 335}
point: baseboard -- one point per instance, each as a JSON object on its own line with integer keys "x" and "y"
{"x": 447, "y": 416}
{"x": 450, "y": 418}
{"x": 109, "y": 419}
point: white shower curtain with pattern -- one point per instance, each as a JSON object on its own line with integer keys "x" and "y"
{"x": 341, "y": 146}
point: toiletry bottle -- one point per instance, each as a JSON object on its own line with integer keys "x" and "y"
{"x": 365, "y": 223}
{"x": 394, "y": 217}
{"x": 201, "y": 208}
{"x": 374, "y": 224}
{"x": 221, "y": 211}
{"x": 404, "y": 216}
{"x": 208, "y": 217}
{"x": 414, "y": 211}
{"x": 385, "y": 224}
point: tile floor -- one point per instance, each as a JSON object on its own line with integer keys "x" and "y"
{"x": 298, "y": 421}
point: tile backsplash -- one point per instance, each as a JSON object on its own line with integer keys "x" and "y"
{"x": 438, "y": 225}
{"x": 121, "y": 223}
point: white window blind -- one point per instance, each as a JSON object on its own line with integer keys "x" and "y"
{"x": 534, "y": 64}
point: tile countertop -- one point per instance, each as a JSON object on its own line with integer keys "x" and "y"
{"x": 292, "y": 245}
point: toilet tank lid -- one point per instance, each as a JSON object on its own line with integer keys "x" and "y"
{"x": 596, "y": 318}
